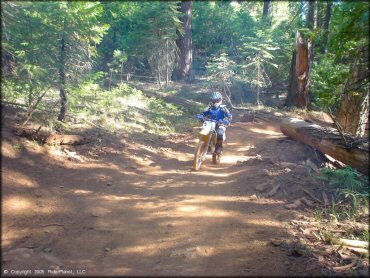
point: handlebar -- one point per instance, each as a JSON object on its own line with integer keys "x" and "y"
{"x": 203, "y": 118}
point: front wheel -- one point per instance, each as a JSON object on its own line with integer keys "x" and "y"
{"x": 199, "y": 155}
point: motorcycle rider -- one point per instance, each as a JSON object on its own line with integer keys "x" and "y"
{"x": 221, "y": 114}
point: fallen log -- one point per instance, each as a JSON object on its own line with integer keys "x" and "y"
{"x": 328, "y": 140}
{"x": 62, "y": 139}
{"x": 45, "y": 137}
{"x": 38, "y": 135}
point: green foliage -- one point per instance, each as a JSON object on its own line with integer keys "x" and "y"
{"x": 351, "y": 191}
{"x": 328, "y": 80}
{"x": 350, "y": 27}
{"x": 257, "y": 53}
{"x": 126, "y": 108}
{"x": 349, "y": 36}
{"x": 218, "y": 27}
{"x": 146, "y": 31}
{"x": 33, "y": 35}
{"x": 231, "y": 42}
{"x": 221, "y": 70}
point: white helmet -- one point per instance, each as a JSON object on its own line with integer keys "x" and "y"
{"x": 216, "y": 99}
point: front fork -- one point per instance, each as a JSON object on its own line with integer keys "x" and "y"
{"x": 209, "y": 139}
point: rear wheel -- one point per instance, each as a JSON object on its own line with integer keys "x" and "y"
{"x": 199, "y": 155}
{"x": 216, "y": 157}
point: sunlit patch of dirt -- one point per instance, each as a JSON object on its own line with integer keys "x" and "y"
{"x": 18, "y": 205}
{"x": 267, "y": 132}
{"x": 18, "y": 179}
{"x": 9, "y": 150}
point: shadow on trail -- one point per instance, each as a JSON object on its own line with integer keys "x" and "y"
{"x": 142, "y": 211}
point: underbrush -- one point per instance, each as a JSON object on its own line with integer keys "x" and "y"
{"x": 126, "y": 108}
{"x": 123, "y": 108}
{"x": 350, "y": 198}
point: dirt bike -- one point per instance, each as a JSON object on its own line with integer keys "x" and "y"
{"x": 207, "y": 139}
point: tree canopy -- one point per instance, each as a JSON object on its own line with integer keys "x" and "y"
{"x": 60, "y": 45}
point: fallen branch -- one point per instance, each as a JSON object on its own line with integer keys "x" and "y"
{"x": 231, "y": 104}
{"x": 297, "y": 222}
{"x": 345, "y": 267}
{"x": 306, "y": 202}
{"x": 32, "y": 108}
{"x": 310, "y": 164}
{"x": 358, "y": 251}
{"x": 295, "y": 205}
{"x": 354, "y": 243}
{"x": 325, "y": 198}
{"x": 346, "y": 257}
{"x": 310, "y": 194}
{"x": 334, "y": 162}
{"x": 338, "y": 126}
{"x": 337, "y": 231}
{"x": 273, "y": 190}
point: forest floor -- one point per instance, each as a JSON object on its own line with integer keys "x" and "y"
{"x": 132, "y": 205}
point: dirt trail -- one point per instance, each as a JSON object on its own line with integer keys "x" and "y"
{"x": 135, "y": 207}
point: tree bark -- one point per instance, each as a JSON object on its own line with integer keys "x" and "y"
{"x": 311, "y": 22}
{"x": 258, "y": 82}
{"x": 159, "y": 74}
{"x": 325, "y": 40}
{"x": 329, "y": 141}
{"x": 184, "y": 43}
{"x": 311, "y": 16}
{"x": 167, "y": 66}
{"x": 62, "y": 75}
{"x": 300, "y": 74}
{"x": 267, "y": 11}
{"x": 353, "y": 112}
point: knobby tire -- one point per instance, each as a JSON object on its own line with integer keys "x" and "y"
{"x": 216, "y": 158}
{"x": 199, "y": 155}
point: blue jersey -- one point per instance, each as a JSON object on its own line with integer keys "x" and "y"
{"x": 220, "y": 113}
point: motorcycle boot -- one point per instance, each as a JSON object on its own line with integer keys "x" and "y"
{"x": 219, "y": 147}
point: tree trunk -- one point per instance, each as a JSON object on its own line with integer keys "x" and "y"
{"x": 300, "y": 74}
{"x": 110, "y": 79}
{"x": 311, "y": 23}
{"x": 121, "y": 72}
{"x": 330, "y": 142}
{"x": 315, "y": 15}
{"x": 30, "y": 95}
{"x": 159, "y": 74}
{"x": 311, "y": 16}
{"x": 267, "y": 11}
{"x": 353, "y": 112}
{"x": 325, "y": 39}
{"x": 62, "y": 76}
{"x": 258, "y": 82}
{"x": 167, "y": 66}
{"x": 184, "y": 43}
